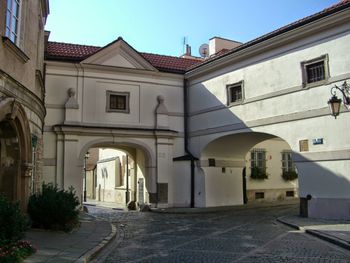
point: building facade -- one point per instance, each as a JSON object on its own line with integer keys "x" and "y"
{"x": 22, "y": 91}
{"x": 188, "y": 121}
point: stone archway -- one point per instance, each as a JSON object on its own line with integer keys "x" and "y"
{"x": 74, "y": 150}
{"x": 16, "y": 151}
{"x": 222, "y": 161}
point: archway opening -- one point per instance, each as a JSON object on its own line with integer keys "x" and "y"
{"x": 248, "y": 168}
{"x": 117, "y": 176}
{"x": 9, "y": 160}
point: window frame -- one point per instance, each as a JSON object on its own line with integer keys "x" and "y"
{"x": 10, "y": 18}
{"x": 229, "y": 96}
{"x": 254, "y": 160}
{"x": 110, "y": 93}
{"x": 287, "y": 164}
{"x": 304, "y": 66}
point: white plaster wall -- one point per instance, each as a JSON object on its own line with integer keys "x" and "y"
{"x": 279, "y": 70}
{"x": 107, "y": 184}
{"x": 91, "y": 84}
{"x": 180, "y": 188}
{"x": 275, "y": 102}
{"x": 223, "y": 189}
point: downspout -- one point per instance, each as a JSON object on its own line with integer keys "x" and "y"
{"x": 156, "y": 152}
{"x": 192, "y": 158}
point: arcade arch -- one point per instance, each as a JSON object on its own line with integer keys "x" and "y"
{"x": 73, "y": 161}
{"x": 228, "y": 164}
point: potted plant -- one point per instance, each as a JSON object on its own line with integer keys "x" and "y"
{"x": 258, "y": 173}
{"x": 289, "y": 175}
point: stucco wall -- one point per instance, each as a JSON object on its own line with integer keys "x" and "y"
{"x": 277, "y": 103}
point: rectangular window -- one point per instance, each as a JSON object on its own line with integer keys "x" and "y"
{"x": 287, "y": 162}
{"x": 258, "y": 159}
{"x": 234, "y": 93}
{"x": 289, "y": 193}
{"x": 118, "y": 101}
{"x": 315, "y": 70}
{"x": 211, "y": 162}
{"x": 259, "y": 195}
{"x": 12, "y": 20}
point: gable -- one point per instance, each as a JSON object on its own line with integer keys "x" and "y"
{"x": 119, "y": 54}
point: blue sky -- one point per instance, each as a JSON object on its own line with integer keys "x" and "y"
{"x": 159, "y": 26}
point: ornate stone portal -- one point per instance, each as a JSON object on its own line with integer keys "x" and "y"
{"x": 15, "y": 151}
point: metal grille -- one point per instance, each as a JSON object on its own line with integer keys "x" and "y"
{"x": 287, "y": 162}
{"x": 117, "y": 102}
{"x": 235, "y": 93}
{"x": 315, "y": 72}
{"x": 258, "y": 159}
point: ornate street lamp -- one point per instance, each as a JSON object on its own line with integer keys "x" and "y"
{"x": 87, "y": 155}
{"x": 335, "y": 102}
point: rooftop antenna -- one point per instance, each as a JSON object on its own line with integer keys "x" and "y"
{"x": 184, "y": 43}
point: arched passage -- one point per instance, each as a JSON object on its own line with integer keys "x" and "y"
{"x": 15, "y": 151}
{"x": 73, "y": 160}
{"x": 245, "y": 167}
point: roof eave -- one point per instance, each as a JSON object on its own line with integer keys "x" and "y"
{"x": 293, "y": 28}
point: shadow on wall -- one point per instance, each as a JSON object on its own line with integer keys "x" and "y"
{"x": 324, "y": 190}
{"x": 217, "y": 132}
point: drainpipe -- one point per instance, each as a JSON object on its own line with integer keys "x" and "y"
{"x": 192, "y": 158}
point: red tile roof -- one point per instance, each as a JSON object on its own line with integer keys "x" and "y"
{"x": 74, "y": 52}
{"x": 169, "y": 63}
{"x": 77, "y": 53}
{"x": 65, "y": 51}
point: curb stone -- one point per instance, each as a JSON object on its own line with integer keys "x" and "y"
{"x": 91, "y": 254}
{"x": 318, "y": 234}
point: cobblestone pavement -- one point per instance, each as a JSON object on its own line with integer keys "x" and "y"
{"x": 250, "y": 235}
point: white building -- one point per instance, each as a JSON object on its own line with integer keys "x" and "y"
{"x": 185, "y": 119}
{"x": 116, "y": 177}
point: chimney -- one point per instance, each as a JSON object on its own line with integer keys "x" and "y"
{"x": 188, "y": 53}
{"x": 188, "y": 50}
{"x": 217, "y": 44}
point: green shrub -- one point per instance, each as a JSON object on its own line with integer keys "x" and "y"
{"x": 289, "y": 175}
{"x": 53, "y": 208}
{"x": 13, "y": 223}
{"x": 257, "y": 173}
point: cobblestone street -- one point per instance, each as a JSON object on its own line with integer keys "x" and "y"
{"x": 238, "y": 235}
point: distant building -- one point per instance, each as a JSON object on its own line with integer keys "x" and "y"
{"x": 191, "y": 124}
{"x": 22, "y": 91}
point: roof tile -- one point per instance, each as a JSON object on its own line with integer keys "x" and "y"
{"x": 74, "y": 52}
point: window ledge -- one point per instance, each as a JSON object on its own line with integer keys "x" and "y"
{"x": 232, "y": 104}
{"x": 315, "y": 84}
{"x": 15, "y": 49}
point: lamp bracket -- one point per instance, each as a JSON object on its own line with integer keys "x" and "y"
{"x": 345, "y": 91}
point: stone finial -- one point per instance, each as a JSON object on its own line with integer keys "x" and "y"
{"x": 160, "y": 99}
{"x": 71, "y": 92}
{"x": 71, "y": 103}
{"x": 161, "y": 109}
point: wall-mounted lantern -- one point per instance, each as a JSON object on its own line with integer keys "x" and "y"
{"x": 335, "y": 102}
